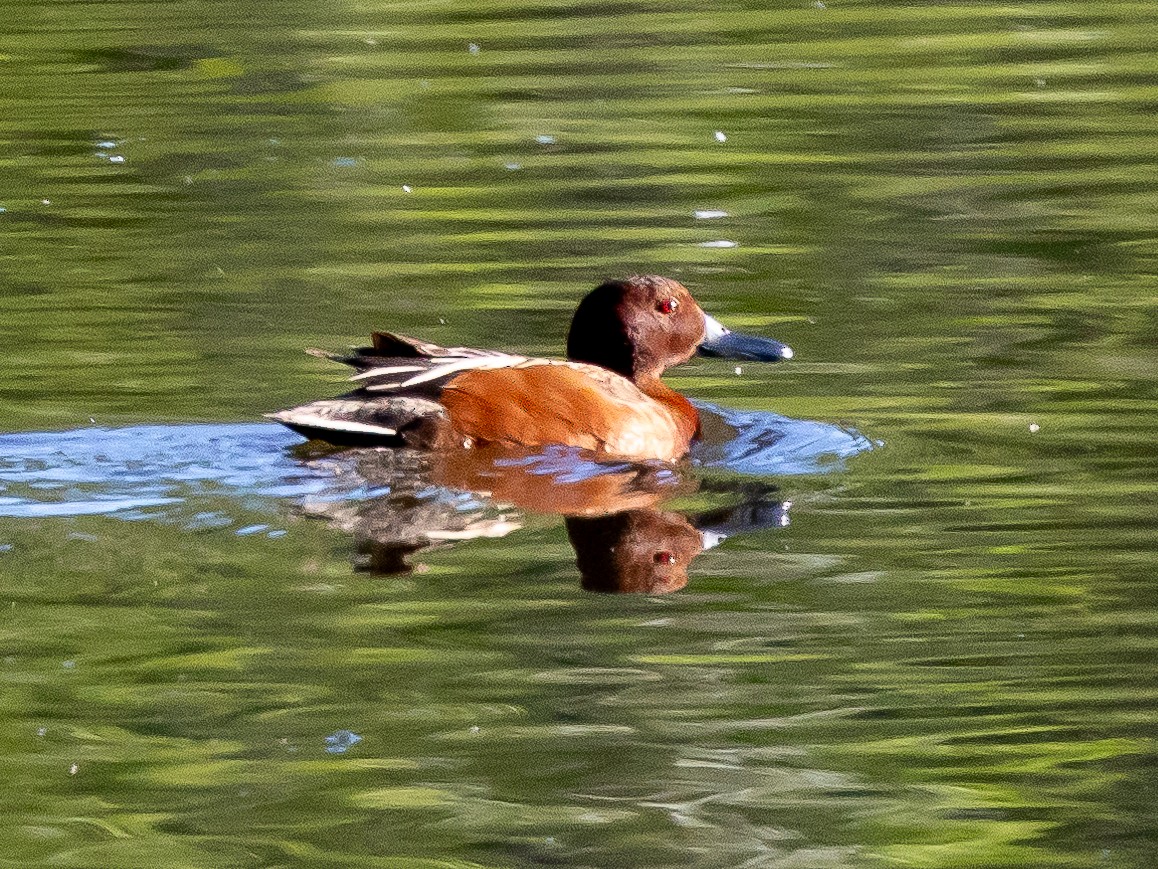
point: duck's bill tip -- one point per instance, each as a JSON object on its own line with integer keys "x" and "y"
{"x": 723, "y": 342}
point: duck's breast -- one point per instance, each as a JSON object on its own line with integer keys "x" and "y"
{"x": 546, "y": 402}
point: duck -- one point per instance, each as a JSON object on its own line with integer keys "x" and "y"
{"x": 606, "y": 397}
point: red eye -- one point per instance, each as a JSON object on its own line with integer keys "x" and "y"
{"x": 668, "y": 306}
{"x": 665, "y": 557}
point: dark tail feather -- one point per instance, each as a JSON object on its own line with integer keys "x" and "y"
{"x": 389, "y": 421}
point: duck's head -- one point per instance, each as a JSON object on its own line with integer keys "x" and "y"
{"x": 644, "y": 324}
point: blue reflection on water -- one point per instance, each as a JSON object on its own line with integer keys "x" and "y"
{"x": 139, "y": 471}
{"x": 766, "y": 444}
{"x": 342, "y": 741}
{"x": 126, "y": 470}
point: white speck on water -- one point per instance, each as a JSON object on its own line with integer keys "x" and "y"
{"x": 709, "y": 214}
{"x": 106, "y": 145}
{"x": 739, "y": 370}
{"x": 545, "y": 139}
{"x": 441, "y": 322}
{"x": 74, "y": 769}
{"x": 1040, "y": 82}
{"x": 514, "y": 167}
{"x": 406, "y": 188}
{"x": 370, "y": 40}
{"x": 117, "y": 158}
{"x": 68, "y": 665}
{"x": 46, "y": 202}
{"x": 474, "y": 728}
{"x": 720, "y": 136}
{"x": 6, "y": 547}
{"x": 42, "y": 731}
{"x": 249, "y": 529}
{"x": 819, "y": 4}
{"x": 1034, "y": 428}
{"x": 473, "y": 48}
{"x": 723, "y": 242}
{"x": 3, "y": 210}
{"x": 278, "y": 532}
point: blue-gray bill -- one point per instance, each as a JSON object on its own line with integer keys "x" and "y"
{"x": 721, "y": 341}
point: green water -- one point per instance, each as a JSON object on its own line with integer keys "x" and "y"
{"x": 949, "y": 210}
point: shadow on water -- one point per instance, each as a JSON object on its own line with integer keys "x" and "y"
{"x": 395, "y": 503}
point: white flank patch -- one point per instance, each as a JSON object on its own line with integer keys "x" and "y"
{"x": 313, "y": 420}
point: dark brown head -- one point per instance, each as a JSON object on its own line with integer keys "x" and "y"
{"x": 636, "y": 327}
{"x": 642, "y": 325}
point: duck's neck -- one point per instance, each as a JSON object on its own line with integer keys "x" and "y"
{"x": 686, "y": 417}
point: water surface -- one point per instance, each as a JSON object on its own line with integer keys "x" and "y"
{"x": 946, "y": 659}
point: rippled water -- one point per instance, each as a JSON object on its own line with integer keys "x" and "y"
{"x": 946, "y": 658}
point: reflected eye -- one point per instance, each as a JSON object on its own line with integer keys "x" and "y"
{"x": 665, "y": 557}
{"x": 667, "y": 306}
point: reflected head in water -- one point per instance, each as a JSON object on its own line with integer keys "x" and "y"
{"x": 635, "y": 552}
{"x": 649, "y": 551}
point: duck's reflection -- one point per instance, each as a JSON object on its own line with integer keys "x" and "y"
{"x": 396, "y": 503}
{"x": 648, "y": 551}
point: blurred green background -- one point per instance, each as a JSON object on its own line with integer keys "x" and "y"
{"x": 947, "y": 208}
